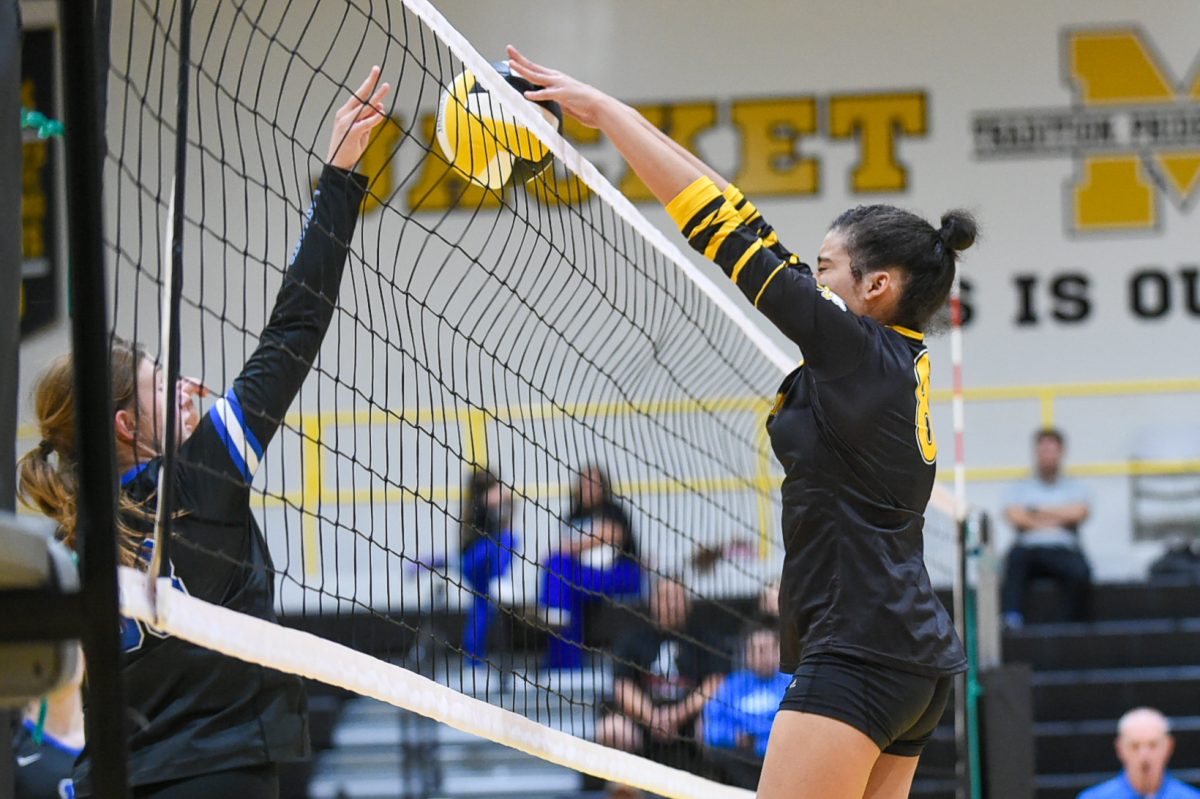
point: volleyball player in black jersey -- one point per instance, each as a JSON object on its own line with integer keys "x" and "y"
{"x": 871, "y": 647}
{"x": 202, "y": 724}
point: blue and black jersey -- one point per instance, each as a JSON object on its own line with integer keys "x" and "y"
{"x": 851, "y": 427}
{"x": 194, "y": 711}
{"x": 43, "y": 764}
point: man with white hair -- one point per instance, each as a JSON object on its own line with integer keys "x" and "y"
{"x": 1144, "y": 745}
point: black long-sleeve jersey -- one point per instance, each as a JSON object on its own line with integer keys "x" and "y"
{"x": 192, "y": 710}
{"x": 851, "y": 427}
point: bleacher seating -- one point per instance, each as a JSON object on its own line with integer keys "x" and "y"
{"x": 1141, "y": 648}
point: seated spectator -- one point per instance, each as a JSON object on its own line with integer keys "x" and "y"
{"x": 1144, "y": 745}
{"x": 592, "y": 499}
{"x": 486, "y": 544}
{"x": 597, "y": 561}
{"x": 737, "y": 720}
{"x": 664, "y": 674}
{"x": 1046, "y": 510}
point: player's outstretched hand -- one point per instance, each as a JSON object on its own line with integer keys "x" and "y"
{"x": 578, "y": 99}
{"x": 354, "y": 121}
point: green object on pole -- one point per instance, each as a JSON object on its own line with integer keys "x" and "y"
{"x": 44, "y": 125}
{"x": 972, "y": 549}
{"x": 974, "y": 691}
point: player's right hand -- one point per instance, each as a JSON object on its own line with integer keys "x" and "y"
{"x": 578, "y": 99}
{"x": 354, "y": 121}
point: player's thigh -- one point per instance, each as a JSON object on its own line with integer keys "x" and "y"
{"x": 815, "y": 757}
{"x": 891, "y": 777}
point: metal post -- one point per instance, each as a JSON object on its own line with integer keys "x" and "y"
{"x": 10, "y": 293}
{"x": 961, "y": 744}
{"x": 106, "y": 732}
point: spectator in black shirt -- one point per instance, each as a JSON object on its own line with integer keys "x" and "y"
{"x": 664, "y": 672}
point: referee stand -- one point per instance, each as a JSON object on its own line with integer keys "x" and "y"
{"x": 29, "y": 615}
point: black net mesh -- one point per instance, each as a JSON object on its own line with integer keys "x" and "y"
{"x": 529, "y": 460}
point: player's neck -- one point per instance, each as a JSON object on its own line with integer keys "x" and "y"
{"x": 64, "y": 717}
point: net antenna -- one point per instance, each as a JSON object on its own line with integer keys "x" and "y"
{"x": 172, "y": 292}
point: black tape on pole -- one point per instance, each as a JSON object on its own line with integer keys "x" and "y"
{"x": 10, "y": 244}
{"x": 10, "y": 293}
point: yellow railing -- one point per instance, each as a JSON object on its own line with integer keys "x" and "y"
{"x": 474, "y": 423}
{"x": 1047, "y": 396}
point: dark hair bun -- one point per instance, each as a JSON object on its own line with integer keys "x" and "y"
{"x": 958, "y": 229}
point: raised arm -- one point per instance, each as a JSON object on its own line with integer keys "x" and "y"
{"x": 665, "y": 168}
{"x": 248, "y": 415}
{"x": 716, "y": 219}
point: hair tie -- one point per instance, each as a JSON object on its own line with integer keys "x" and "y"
{"x": 46, "y": 447}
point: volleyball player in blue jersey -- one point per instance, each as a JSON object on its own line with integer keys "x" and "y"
{"x": 204, "y": 725}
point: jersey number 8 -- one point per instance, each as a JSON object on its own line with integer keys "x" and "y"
{"x": 925, "y": 440}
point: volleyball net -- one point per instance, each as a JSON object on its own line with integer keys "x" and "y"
{"x": 528, "y": 469}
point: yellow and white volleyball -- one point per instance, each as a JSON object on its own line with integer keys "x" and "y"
{"x": 483, "y": 139}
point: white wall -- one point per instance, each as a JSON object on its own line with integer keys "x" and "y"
{"x": 966, "y": 58}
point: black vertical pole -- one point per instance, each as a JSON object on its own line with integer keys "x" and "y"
{"x": 10, "y": 293}
{"x": 961, "y": 684}
{"x": 166, "y": 488}
{"x": 106, "y": 732}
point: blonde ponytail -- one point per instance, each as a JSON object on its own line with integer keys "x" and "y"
{"x": 47, "y": 475}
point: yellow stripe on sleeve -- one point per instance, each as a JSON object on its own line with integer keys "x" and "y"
{"x": 744, "y": 207}
{"x": 767, "y": 282}
{"x": 691, "y": 200}
{"x": 733, "y": 194}
{"x": 730, "y": 222}
{"x": 704, "y": 224}
{"x": 737, "y": 268}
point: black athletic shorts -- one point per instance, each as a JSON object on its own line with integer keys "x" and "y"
{"x": 252, "y": 782}
{"x": 895, "y": 709}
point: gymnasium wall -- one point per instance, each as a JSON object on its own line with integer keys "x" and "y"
{"x": 1071, "y": 129}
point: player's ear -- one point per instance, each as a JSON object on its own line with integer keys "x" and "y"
{"x": 878, "y": 283}
{"x": 124, "y": 425}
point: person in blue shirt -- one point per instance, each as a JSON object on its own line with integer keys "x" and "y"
{"x": 597, "y": 562}
{"x": 737, "y": 720}
{"x": 1046, "y": 510}
{"x": 1144, "y": 745}
{"x": 486, "y": 551}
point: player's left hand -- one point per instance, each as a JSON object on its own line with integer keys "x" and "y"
{"x": 354, "y": 121}
{"x": 578, "y": 99}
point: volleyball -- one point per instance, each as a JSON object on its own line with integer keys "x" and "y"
{"x": 483, "y": 140}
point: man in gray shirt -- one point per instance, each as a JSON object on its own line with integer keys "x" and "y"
{"x": 1046, "y": 509}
